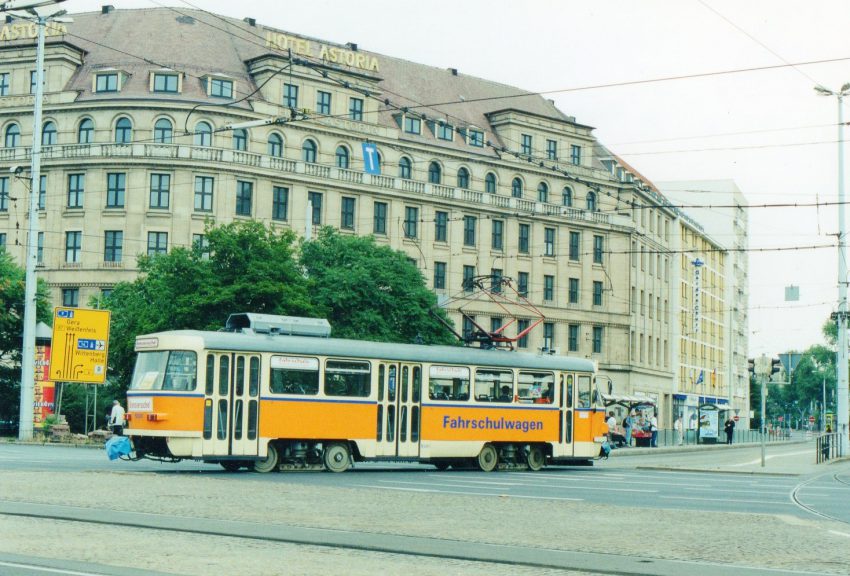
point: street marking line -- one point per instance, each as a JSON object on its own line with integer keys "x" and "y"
{"x": 45, "y": 569}
{"x": 725, "y": 500}
{"x": 837, "y": 533}
{"x": 423, "y": 490}
{"x": 742, "y": 490}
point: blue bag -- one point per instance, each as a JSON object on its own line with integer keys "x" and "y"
{"x": 118, "y": 446}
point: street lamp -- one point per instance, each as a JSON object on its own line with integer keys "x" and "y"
{"x": 841, "y": 380}
{"x": 34, "y": 11}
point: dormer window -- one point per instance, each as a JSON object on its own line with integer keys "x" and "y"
{"x": 445, "y": 131}
{"x": 219, "y": 87}
{"x": 106, "y": 82}
{"x": 475, "y": 137}
{"x": 412, "y": 125}
{"x": 168, "y": 82}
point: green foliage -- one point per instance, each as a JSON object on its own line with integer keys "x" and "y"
{"x": 370, "y": 292}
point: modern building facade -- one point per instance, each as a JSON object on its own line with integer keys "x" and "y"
{"x": 220, "y": 120}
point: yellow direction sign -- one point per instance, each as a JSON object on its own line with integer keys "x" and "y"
{"x": 80, "y": 345}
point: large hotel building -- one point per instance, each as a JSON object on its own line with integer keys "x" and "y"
{"x": 158, "y": 121}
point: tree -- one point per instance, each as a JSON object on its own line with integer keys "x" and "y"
{"x": 370, "y": 292}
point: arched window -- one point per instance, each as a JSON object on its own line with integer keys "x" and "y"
{"x": 308, "y": 151}
{"x": 567, "y": 196}
{"x": 516, "y": 188}
{"x": 490, "y": 183}
{"x": 123, "y": 131}
{"x": 342, "y": 157}
{"x": 435, "y": 173}
{"x": 405, "y": 169}
{"x": 48, "y": 134}
{"x": 203, "y": 134}
{"x": 162, "y": 131}
{"x": 85, "y": 134}
{"x": 591, "y": 201}
{"x": 542, "y": 192}
{"x": 275, "y": 145}
{"x": 463, "y": 178}
{"x": 13, "y": 136}
{"x": 240, "y": 139}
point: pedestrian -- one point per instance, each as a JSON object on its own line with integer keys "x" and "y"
{"x": 612, "y": 427}
{"x": 729, "y": 428}
{"x": 653, "y": 429}
{"x": 627, "y": 428}
{"x": 677, "y": 426}
{"x": 116, "y": 418}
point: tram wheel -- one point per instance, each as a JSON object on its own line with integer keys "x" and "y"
{"x": 441, "y": 465}
{"x": 231, "y": 465}
{"x": 269, "y": 463}
{"x": 337, "y": 457}
{"x": 488, "y": 459}
{"x": 535, "y": 458}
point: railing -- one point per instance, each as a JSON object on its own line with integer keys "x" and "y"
{"x": 668, "y": 437}
{"x": 828, "y": 447}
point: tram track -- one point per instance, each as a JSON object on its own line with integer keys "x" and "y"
{"x": 796, "y": 498}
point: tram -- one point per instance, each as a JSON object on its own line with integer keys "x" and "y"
{"x": 275, "y": 392}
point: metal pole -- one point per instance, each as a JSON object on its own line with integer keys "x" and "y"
{"x": 841, "y": 381}
{"x": 25, "y": 429}
{"x": 823, "y": 407}
{"x": 763, "y": 416}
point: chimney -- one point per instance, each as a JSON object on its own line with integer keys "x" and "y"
{"x": 107, "y": 9}
{"x": 250, "y": 21}
{"x": 453, "y": 71}
{"x": 351, "y": 46}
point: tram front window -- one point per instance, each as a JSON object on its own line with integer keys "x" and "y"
{"x": 175, "y": 370}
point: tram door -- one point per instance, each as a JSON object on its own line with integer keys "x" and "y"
{"x": 231, "y": 405}
{"x": 565, "y": 410}
{"x": 399, "y": 408}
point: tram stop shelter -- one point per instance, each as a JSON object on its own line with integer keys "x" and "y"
{"x": 641, "y": 407}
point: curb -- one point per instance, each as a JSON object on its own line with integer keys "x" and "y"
{"x": 625, "y": 452}
{"x": 720, "y": 471}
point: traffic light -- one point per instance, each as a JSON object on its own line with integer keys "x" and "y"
{"x": 751, "y": 366}
{"x": 775, "y": 366}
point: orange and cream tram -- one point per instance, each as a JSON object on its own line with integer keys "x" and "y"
{"x": 276, "y": 392}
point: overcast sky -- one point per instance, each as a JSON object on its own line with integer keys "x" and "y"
{"x": 765, "y": 129}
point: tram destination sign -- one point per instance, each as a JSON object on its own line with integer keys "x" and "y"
{"x": 80, "y": 345}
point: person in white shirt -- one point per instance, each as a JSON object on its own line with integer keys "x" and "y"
{"x": 116, "y": 418}
{"x": 677, "y": 426}
{"x": 653, "y": 428}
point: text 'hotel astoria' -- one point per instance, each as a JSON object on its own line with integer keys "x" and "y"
{"x": 492, "y": 180}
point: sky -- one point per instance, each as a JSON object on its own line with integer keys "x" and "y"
{"x": 737, "y": 102}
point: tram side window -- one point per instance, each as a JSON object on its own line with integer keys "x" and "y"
{"x": 494, "y": 385}
{"x": 448, "y": 383}
{"x": 347, "y": 378}
{"x": 294, "y": 375}
{"x": 584, "y": 390}
{"x": 181, "y": 372}
{"x": 175, "y": 370}
{"x": 536, "y": 387}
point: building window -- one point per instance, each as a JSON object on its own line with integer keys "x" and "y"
{"x": 76, "y": 188}
{"x": 13, "y": 136}
{"x": 412, "y": 125}
{"x": 160, "y": 191}
{"x": 468, "y": 278}
{"x": 202, "y": 244}
{"x": 203, "y": 134}
{"x": 342, "y": 157}
{"x": 411, "y": 221}
{"x": 115, "y": 189}
{"x": 445, "y": 131}
{"x": 597, "y": 293}
{"x": 347, "y": 213}
{"x": 439, "y": 275}
{"x": 4, "y": 194}
{"x": 496, "y": 280}
{"x": 490, "y": 183}
{"x": 567, "y": 196}
{"x": 469, "y": 230}
{"x": 166, "y": 83}
{"x": 463, "y": 178}
{"x": 516, "y": 188}
{"x": 598, "y": 243}
{"x": 308, "y": 151}
{"x": 476, "y": 138}
{"x": 591, "y": 202}
{"x": 204, "y": 193}
{"x": 355, "y": 109}
{"x": 379, "y": 221}
{"x": 240, "y": 139}
{"x": 42, "y": 191}
{"x": 106, "y": 82}
{"x": 548, "y": 241}
{"x": 441, "y": 226}
{"x": 404, "y": 168}
{"x": 73, "y": 245}
{"x": 48, "y": 134}
{"x": 468, "y": 327}
{"x": 542, "y": 192}
{"x": 70, "y": 297}
{"x": 275, "y": 145}
{"x": 32, "y": 81}
{"x": 123, "y": 131}
{"x": 573, "y": 291}
{"x": 113, "y": 243}
{"x": 548, "y": 287}
{"x": 575, "y": 154}
{"x": 522, "y": 326}
{"x": 522, "y": 283}
{"x": 221, "y": 88}
{"x": 157, "y": 243}
{"x": 244, "y": 197}
{"x": 280, "y": 203}
{"x": 572, "y": 337}
{"x": 523, "y": 242}
{"x": 162, "y": 131}
{"x": 315, "y": 200}
{"x": 575, "y": 244}
{"x": 39, "y": 251}
{"x": 526, "y": 145}
{"x": 290, "y": 95}
{"x": 85, "y": 133}
{"x": 597, "y": 339}
{"x": 551, "y": 149}
{"x": 4, "y": 84}
{"x": 323, "y": 102}
{"x": 498, "y": 235}
{"x": 435, "y": 173}
{"x": 548, "y": 335}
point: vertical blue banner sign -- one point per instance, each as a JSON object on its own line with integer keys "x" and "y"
{"x": 371, "y": 164}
